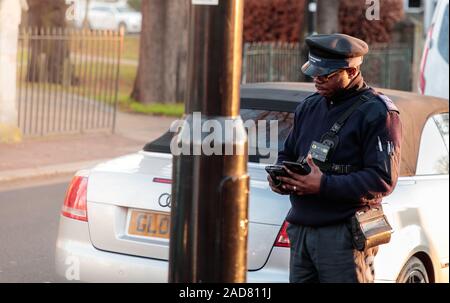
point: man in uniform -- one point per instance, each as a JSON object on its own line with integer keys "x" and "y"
{"x": 359, "y": 132}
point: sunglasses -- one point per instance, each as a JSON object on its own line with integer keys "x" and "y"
{"x": 329, "y": 76}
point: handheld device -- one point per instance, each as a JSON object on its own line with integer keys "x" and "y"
{"x": 276, "y": 171}
{"x": 298, "y": 168}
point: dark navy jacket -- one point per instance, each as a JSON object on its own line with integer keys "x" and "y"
{"x": 375, "y": 121}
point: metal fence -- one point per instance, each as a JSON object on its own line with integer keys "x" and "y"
{"x": 387, "y": 66}
{"x": 277, "y": 62}
{"x": 67, "y": 80}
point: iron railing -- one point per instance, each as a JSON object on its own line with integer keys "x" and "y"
{"x": 387, "y": 66}
{"x": 271, "y": 62}
{"x": 67, "y": 80}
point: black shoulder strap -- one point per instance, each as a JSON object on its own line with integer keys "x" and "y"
{"x": 342, "y": 119}
{"x": 331, "y": 139}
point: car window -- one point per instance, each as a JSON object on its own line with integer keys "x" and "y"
{"x": 100, "y": 9}
{"x": 443, "y": 36}
{"x": 433, "y": 152}
{"x": 271, "y": 144}
{"x": 125, "y": 9}
{"x": 442, "y": 124}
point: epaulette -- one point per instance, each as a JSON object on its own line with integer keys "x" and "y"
{"x": 388, "y": 102}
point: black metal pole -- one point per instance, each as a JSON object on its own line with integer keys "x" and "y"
{"x": 210, "y": 192}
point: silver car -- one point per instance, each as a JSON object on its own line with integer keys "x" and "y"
{"x": 110, "y": 16}
{"x": 103, "y": 236}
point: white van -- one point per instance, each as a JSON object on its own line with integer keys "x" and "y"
{"x": 434, "y": 76}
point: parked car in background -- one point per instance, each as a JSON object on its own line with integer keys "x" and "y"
{"x": 112, "y": 16}
{"x": 434, "y": 71}
{"x": 106, "y": 217}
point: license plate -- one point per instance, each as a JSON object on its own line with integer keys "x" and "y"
{"x": 149, "y": 224}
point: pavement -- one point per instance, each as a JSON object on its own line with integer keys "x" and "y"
{"x": 64, "y": 155}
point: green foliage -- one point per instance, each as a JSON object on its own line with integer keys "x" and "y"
{"x": 136, "y": 4}
{"x": 161, "y": 109}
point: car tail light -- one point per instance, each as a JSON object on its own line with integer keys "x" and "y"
{"x": 422, "y": 81}
{"x": 282, "y": 238}
{"x": 75, "y": 206}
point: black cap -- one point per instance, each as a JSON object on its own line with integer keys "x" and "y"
{"x": 328, "y": 53}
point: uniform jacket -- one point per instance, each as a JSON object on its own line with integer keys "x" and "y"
{"x": 369, "y": 140}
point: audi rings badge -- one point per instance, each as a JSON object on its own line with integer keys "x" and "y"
{"x": 165, "y": 200}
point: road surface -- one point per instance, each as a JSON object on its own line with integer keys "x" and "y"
{"x": 29, "y": 217}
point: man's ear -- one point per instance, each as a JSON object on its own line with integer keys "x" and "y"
{"x": 352, "y": 72}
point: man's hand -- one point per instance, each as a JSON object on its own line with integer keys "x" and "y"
{"x": 278, "y": 190}
{"x": 303, "y": 185}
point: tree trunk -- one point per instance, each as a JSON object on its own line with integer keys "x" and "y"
{"x": 162, "y": 67}
{"x": 86, "y": 15}
{"x": 327, "y": 16}
{"x": 46, "y": 63}
{"x": 175, "y": 51}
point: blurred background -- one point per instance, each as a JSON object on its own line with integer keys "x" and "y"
{"x": 88, "y": 55}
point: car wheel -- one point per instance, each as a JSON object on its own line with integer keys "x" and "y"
{"x": 413, "y": 272}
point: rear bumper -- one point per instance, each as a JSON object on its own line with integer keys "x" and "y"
{"x": 77, "y": 260}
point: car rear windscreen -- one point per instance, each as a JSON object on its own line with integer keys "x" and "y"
{"x": 260, "y": 119}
